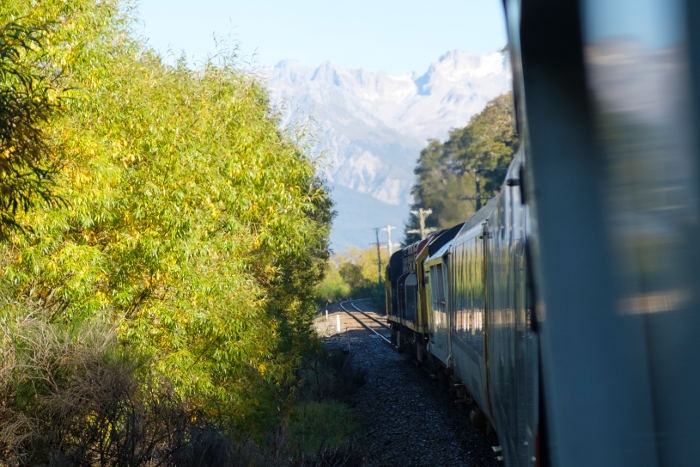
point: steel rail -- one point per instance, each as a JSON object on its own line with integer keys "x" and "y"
{"x": 382, "y": 324}
{"x": 382, "y": 337}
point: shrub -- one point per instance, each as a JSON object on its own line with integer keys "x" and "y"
{"x": 329, "y": 374}
{"x": 74, "y": 398}
{"x": 320, "y": 430}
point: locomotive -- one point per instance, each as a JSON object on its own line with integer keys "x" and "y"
{"x": 568, "y": 308}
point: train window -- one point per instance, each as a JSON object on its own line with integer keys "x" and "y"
{"x": 438, "y": 288}
{"x": 639, "y": 83}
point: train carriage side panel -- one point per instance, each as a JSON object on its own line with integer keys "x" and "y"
{"x": 432, "y": 245}
{"x": 410, "y": 290}
{"x": 421, "y": 322}
{"x": 393, "y": 272}
{"x": 467, "y": 309}
{"x": 501, "y": 319}
{"x": 512, "y": 343}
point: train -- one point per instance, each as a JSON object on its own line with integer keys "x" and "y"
{"x": 567, "y": 309}
{"x": 461, "y": 300}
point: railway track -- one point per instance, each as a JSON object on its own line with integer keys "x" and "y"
{"x": 367, "y": 321}
{"x": 398, "y": 393}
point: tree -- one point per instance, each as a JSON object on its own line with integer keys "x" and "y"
{"x": 29, "y": 97}
{"x": 486, "y": 146}
{"x": 455, "y": 177}
{"x": 354, "y": 273}
{"x": 191, "y": 223}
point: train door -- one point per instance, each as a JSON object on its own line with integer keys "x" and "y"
{"x": 438, "y": 343}
{"x": 487, "y": 287}
{"x": 411, "y": 300}
{"x": 526, "y": 354}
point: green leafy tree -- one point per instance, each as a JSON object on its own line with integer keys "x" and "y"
{"x": 353, "y": 273}
{"x": 191, "y": 223}
{"x": 333, "y": 287}
{"x": 486, "y": 146}
{"x": 455, "y": 177}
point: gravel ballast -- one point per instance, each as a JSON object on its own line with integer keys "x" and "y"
{"x": 409, "y": 416}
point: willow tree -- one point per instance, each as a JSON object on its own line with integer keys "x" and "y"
{"x": 191, "y": 223}
{"x": 29, "y": 97}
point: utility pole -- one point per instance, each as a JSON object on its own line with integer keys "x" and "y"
{"x": 389, "y": 245}
{"x": 379, "y": 257}
{"x": 421, "y": 214}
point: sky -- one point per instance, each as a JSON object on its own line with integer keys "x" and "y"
{"x": 393, "y": 36}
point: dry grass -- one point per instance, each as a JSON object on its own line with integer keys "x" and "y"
{"x": 73, "y": 399}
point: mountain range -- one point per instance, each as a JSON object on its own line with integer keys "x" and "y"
{"x": 366, "y": 129}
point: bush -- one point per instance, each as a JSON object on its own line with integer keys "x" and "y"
{"x": 74, "y": 398}
{"x": 329, "y": 374}
{"x": 318, "y": 428}
{"x": 320, "y": 431}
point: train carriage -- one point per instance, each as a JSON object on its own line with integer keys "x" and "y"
{"x": 436, "y": 288}
{"x": 480, "y": 317}
{"x": 512, "y": 344}
{"x": 604, "y": 370}
{"x": 407, "y": 308}
{"x": 466, "y": 310}
{"x": 403, "y": 301}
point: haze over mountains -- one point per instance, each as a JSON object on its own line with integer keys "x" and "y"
{"x": 369, "y": 128}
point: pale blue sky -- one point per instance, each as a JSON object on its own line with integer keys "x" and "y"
{"x": 395, "y": 36}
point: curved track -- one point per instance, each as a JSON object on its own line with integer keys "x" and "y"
{"x": 345, "y": 306}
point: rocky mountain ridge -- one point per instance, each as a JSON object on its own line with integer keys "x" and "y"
{"x": 368, "y": 128}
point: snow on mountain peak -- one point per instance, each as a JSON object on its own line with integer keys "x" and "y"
{"x": 371, "y": 126}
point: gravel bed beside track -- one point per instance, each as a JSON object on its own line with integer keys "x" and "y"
{"x": 410, "y": 420}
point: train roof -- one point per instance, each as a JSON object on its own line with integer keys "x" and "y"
{"x": 443, "y": 237}
{"x": 461, "y": 229}
{"x": 480, "y": 216}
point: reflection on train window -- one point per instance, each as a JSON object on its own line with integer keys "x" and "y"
{"x": 639, "y": 85}
{"x": 437, "y": 288}
{"x": 467, "y": 264}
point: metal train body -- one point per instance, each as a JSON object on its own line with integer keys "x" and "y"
{"x": 569, "y": 307}
{"x": 461, "y": 297}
